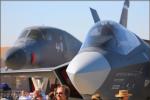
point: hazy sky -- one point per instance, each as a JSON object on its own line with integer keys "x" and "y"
{"x": 71, "y": 16}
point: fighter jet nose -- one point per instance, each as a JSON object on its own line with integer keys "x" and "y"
{"x": 15, "y": 58}
{"x": 88, "y": 71}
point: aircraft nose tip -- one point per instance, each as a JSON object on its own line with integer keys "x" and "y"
{"x": 15, "y": 58}
{"x": 87, "y": 71}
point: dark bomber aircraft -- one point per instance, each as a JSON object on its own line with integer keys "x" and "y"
{"x": 111, "y": 58}
{"x": 45, "y": 52}
{"x": 40, "y": 47}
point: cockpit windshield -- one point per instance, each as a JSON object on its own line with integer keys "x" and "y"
{"x": 35, "y": 34}
{"x": 111, "y": 36}
{"x": 24, "y": 33}
{"x": 32, "y": 34}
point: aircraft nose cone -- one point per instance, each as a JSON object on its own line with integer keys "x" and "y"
{"x": 15, "y": 58}
{"x": 88, "y": 71}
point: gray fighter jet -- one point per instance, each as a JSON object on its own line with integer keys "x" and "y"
{"x": 112, "y": 58}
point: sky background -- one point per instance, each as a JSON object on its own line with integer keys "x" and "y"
{"x": 71, "y": 16}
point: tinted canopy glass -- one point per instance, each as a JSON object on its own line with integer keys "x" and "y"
{"x": 35, "y": 34}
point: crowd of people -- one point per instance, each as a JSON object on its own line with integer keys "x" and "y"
{"x": 9, "y": 95}
{"x": 62, "y": 92}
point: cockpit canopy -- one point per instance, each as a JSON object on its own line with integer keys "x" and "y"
{"x": 111, "y": 36}
{"x": 34, "y": 34}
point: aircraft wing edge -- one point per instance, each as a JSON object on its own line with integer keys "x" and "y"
{"x": 30, "y": 72}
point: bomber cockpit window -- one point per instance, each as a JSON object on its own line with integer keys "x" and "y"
{"x": 24, "y": 33}
{"x": 35, "y": 34}
{"x": 48, "y": 34}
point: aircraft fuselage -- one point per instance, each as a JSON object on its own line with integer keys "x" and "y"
{"x": 42, "y": 47}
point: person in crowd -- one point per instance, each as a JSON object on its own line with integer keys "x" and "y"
{"x": 51, "y": 96}
{"x": 123, "y": 95}
{"x": 37, "y": 95}
{"x": 62, "y": 92}
{"x": 96, "y": 96}
{"x": 23, "y": 95}
{"x": 28, "y": 96}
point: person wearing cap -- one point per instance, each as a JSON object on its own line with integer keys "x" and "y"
{"x": 123, "y": 95}
{"x": 96, "y": 96}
